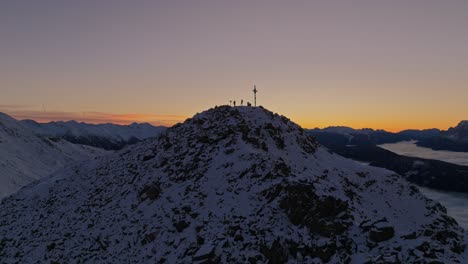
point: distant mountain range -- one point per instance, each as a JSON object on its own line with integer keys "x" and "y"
{"x": 31, "y": 150}
{"x": 350, "y": 136}
{"x": 106, "y": 136}
{"x": 453, "y": 139}
{"x": 26, "y": 157}
{"x": 361, "y": 145}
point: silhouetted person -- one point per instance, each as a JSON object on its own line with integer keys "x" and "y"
{"x": 234, "y": 103}
{"x": 242, "y": 101}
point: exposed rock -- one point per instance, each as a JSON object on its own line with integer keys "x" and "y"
{"x": 325, "y": 216}
{"x": 379, "y": 234}
{"x": 151, "y": 191}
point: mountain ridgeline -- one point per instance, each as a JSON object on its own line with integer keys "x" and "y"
{"x": 105, "y": 136}
{"x": 31, "y": 150}
{"x": 454, "y": 139}
{"x": 340, "y": 135}
{"x": 26, "y": 157}
{"x": 230, "y": 185}
{"x": 362, "y": 145}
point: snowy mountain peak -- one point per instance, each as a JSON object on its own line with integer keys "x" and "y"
{"x": 230, "y": 185}
{"x": 242, "y": 114}
{"x": 254, "y": 126}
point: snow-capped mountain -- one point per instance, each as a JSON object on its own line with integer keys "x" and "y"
{"x": 230, "y": 185}
{"x": 107, "y": 136}
{"x": 25, "y": 157}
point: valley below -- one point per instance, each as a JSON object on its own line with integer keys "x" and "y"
{"x": 409, "y": 148}
{"x": 454, "y": 202}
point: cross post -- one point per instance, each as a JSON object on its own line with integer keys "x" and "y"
{"x": 255, "y": 95}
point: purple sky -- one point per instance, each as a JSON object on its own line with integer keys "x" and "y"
{"x": 381, "y": 64}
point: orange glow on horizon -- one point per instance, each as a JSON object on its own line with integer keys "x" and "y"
{"x": 320, "y": 63}
{"x": 169, "y": 120}
{"x": 388, "y": 126}
{"x": 98, "y": 118}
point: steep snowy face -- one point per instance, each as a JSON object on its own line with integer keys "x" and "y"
{"x": 25, "y": 157}
{"x": 230, "y": 185}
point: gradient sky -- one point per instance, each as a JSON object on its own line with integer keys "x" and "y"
{"x": 381, "y": 64}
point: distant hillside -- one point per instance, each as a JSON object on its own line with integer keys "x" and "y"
{"x": 370, "y": 136}
{"x": 26, "y": 157}
{"x": 419, "y": 134}
{"x": 106, "y": 136}
{"x": 363, "y": 147}
{"x": 454, "y": 139}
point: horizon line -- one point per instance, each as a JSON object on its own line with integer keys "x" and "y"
{"x": 95, "y": 117}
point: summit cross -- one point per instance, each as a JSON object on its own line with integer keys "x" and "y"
{"x": 255, "y": 95}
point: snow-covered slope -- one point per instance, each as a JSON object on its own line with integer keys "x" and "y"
{"x": 25, "y": 157}
{"x": 230, "y": 185}
{"x": 108, "y": 136}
